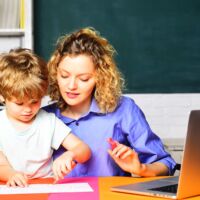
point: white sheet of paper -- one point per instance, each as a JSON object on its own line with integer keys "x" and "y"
{"x": 47, "y": 188}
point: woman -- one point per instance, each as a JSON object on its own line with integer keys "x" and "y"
{"x": 87, "y": 88}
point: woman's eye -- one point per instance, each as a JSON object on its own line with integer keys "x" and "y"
{"x": 19, "y": 103}
{"x": 64, "y": 76}
{"x": 84, "y": 79}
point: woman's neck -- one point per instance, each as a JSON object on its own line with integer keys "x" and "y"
{"x": 75, "y": 112}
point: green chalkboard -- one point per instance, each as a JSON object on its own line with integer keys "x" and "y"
{"x": 158, "y": 41}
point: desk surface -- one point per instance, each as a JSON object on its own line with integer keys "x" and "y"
{"x": 106, "y": 183}
{"x": 102, "y": 190}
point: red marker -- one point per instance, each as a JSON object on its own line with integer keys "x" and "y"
{"x": 112, "y": 143}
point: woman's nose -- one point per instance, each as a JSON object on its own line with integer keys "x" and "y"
{"x": 72, "y": 84}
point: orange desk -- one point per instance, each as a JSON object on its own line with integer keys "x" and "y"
{"x": 107, "y": 182}
{"x": 104, "y": 184}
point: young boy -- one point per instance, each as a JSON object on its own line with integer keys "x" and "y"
{"x": 28, "y": 134}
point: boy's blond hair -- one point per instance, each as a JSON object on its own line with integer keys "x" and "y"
{"x": 22, "y": 74}
{"x": 109, "y": 81}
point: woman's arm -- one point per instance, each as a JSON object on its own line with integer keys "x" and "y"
{"x": 140, "y": 138}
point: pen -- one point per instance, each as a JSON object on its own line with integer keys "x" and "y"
{"x": 112, "y": 143}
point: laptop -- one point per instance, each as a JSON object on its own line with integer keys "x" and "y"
{"x": 187, "y": 184}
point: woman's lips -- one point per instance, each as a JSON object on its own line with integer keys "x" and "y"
{"x": 72, "y": 95}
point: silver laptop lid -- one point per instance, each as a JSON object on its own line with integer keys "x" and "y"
{"x": 189, "y": 179}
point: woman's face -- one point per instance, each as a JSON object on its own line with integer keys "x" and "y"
{"x": 76, "y": 80}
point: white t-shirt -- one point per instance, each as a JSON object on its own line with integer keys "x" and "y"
{"x": 30, "y": 151}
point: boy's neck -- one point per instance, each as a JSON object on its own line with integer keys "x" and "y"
{"x": 20, "y": 125}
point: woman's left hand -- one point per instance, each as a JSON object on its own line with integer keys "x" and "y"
{"x": 126, "y": 158}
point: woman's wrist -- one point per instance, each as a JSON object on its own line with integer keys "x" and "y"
{"x": 141, "y": 171}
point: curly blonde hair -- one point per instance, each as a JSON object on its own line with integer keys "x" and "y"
{"x": 109, "y": 80}
{"x": 22, "y": 74}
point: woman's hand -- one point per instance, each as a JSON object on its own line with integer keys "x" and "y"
{"x": 127, "y": 159}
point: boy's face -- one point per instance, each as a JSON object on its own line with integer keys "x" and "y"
{"x": 22, "y": 110}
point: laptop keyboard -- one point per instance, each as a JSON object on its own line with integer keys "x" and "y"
{"x": 168, "y": 188}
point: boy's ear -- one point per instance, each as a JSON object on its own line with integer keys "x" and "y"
{"x": 2, "y": 100}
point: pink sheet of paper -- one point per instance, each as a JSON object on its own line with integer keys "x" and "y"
{"x": 92, "y": 181}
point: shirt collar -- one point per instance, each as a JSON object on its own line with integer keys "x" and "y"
{"x": 66, "y": 120}
{"x": 94, "y": 108}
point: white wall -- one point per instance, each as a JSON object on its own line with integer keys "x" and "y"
{"x": 167, "y": 114}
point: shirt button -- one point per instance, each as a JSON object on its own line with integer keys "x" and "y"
{"x": 77, "y": 123}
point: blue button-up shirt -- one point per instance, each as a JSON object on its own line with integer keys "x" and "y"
{"x": 127, "y": 125}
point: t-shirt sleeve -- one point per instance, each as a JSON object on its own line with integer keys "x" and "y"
{"x": 2, "y": 127}
{"x": 0, "y": 146}
{"x": 60, "y": 132}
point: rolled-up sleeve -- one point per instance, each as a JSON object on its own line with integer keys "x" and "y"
{"x": 144, "y": 141}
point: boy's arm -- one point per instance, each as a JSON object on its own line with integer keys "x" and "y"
{"x": 6, "y": 171}
{"x": 79, "y": 151}
{"x": 9, "y": 175}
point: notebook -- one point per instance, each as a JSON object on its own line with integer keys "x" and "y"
{"x": 187, "y": 184}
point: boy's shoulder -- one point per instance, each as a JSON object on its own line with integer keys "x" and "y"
{"x": 2, "y": 113}
{"x": 44, "y": 117}
{"x": 3, "y": 120}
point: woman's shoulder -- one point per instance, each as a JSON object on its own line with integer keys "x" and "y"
{"x": 128, "y": 105}
{"x": 125, "y": 105}
{"x": 52, "y": 108}
{"x": 126, "y": 101}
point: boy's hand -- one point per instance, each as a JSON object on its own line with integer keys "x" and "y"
{"x": 63, "y": 165}
{"x": 17, "y": 179}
